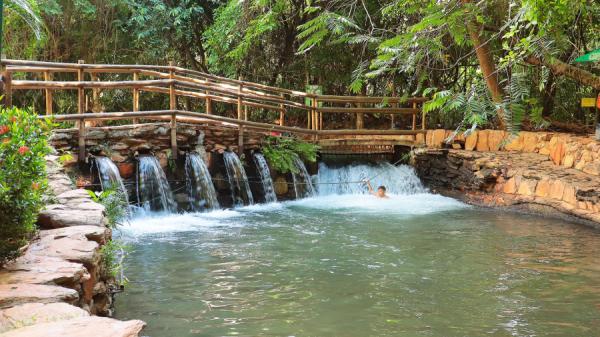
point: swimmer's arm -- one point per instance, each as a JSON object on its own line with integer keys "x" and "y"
{"x": 370, "y": 187}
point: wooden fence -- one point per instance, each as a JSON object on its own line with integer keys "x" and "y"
{"x": 179, "y": 82}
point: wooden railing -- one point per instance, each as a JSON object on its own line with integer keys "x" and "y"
{"x": 179, "y": 82}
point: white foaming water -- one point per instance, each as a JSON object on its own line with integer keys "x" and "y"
{"x": 348, "y": 179}
{"x": 407, "y": 197}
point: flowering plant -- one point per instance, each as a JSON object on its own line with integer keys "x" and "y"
{"x": 23, "y": 146}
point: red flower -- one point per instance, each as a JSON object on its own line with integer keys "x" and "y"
{"x": 12, "y": 119}
{"x": 4, "y": 129}
{"x": 23, "y": 150}
{"x": 35, "y": 186}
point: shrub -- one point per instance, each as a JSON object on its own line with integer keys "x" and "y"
{"x": 23, "y": 145}
{"x": 281, "y": 153}
{"x": 115, "y": 205}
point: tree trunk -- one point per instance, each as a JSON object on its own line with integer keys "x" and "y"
{"x": 560, "y": 68}
{"x": 486, "y": 63}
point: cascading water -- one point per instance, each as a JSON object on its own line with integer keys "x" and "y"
{"x": 199, "y": 184}
{"x": 109, "y": 176}
{"x": 154, "y": 192}
{"x": 303, "y": 186}
{"x": 348, "y": 179}
{"x": 265, "y": 177}
{"x": 238, "y": 180}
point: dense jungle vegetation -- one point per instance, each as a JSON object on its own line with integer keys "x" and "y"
{"x": 498, "y": 63}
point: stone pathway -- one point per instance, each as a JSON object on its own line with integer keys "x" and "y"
{"x": 59, "y": 284}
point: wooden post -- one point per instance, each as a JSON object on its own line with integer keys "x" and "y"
{"x": 423, "y": 121}
{"x": 320, "y": 120}
{"x": 7, "y": 89}
{"x": 308, "y": 114}
{"x": 240, "y": 140}
{"x": 414, "y": 117}
{"x": 48, "y": 77}
{"x": 314, "y": 113}
{"x": 360, "y": 122}
{"x": 239, "y": 101}
{"x": 208, "y": 101}
{"x": 136, "y": 97}
{"x": 245, "y": 112}
{"x": 81, "y": 156}
{"x": 172, "y": 96}
{"x": 80, "y": 90}
{"x": 282, "y": 112}
{"x": 174, "y": 136}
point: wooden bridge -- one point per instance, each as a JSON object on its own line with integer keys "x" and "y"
{"x": 213, "y": 92}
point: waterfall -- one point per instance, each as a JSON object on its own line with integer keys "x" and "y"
{"x": 397, "y": 179}
{"x": 265, "y": 177}
{"x": 109, "y": 176}
{"x": 154, "y": 193}
{"x": 199, "y": 184}
{"x": 238, "y": 180}
{"x": 303, "y": 186}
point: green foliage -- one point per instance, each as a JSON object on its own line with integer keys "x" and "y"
{"x": 113, "y": 254}
{"x": 281, "y": 152}
{"x": 114, "y": 203}
{"x": 23, "y": 146}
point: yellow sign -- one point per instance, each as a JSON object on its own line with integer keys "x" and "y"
{"x": 588, "y": 102}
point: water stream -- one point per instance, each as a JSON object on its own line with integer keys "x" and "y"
{"x": 199, "y": 184}
{"x": 265, "y": 177}
{"x": 303, "y": 186}
{"x": 109, "y": 176}
{"x": 154, "y": 192}
{"x": 238, "y": 180}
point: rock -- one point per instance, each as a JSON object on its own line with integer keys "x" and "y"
{"x": 58, "y": 216}
{"x": 495, "y": 139}
{"x": 515, "y": 143}
{"x": 95, "y": 233}
{"x": 15, "y": 294}
{"x": 557, "y": 153}
{"x": 543, "y": 188}
{"x": 471, "y": 141}
{"x": 81, "y": 327}
{"x": 76, "y": 249}
{"x": 569, "y": 195}
{"x": 437, "y": 138}
{"x": 510, "y": 186}
{"x": 126, "y": 169}
{"x": 527, "y": 187}
{"x": 557, "y": 189}
{"x": 568, "y": 161}
{"x": 48, "y": 270}
{"x": 482, "y": 141}
{"x": 35, "y": 313}
{"x": 592, "y": 168}
{"x": 280, "y": 185}
{"x": 530, "y": 141}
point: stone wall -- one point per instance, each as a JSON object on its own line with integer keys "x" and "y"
{"x": 565, "y": 150}
{"x": 122, "y": 143}
{"x": 521, "y": 180}
{"x": 57, "y": 286}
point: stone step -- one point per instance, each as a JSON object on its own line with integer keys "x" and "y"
{"x": 34, "y": 269}
{"x": 93, "y": 233}
{"x": 64, "y": 215}
{"x": 35, "y": 313}
{"x": 16, "y": 294}
{"x": 81, "y": 327}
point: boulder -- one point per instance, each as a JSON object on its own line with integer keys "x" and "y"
{"x": 543, "y": 188}
{"x": 15, "y": 294}
{"x": 98, "y": 234}
{"x": 437, "y": 138}
{"x": 527, "y": 187}
{"x": 61, "y": 215}
{"x": 482, "y": 141}
{"x": 495, "y": 139}
{"x": 81, "y": 327}
{"x": 49, "y": 270}
{"x": 592, "y": 168}
{"x": 557, "y": 153}
{"x": 557, "y": 189}
{"x": 471, "y": 141}
{"x": 76, "y": 249}
{"x": 35, "y": 313}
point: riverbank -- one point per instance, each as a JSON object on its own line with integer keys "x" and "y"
{"x": 59, "y": 286}
{"x": 546, "y": 173}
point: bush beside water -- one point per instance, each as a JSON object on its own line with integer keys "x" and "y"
{"x": 23, "y": 145}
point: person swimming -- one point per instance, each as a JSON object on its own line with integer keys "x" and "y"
{"x": 380, "y": 190}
